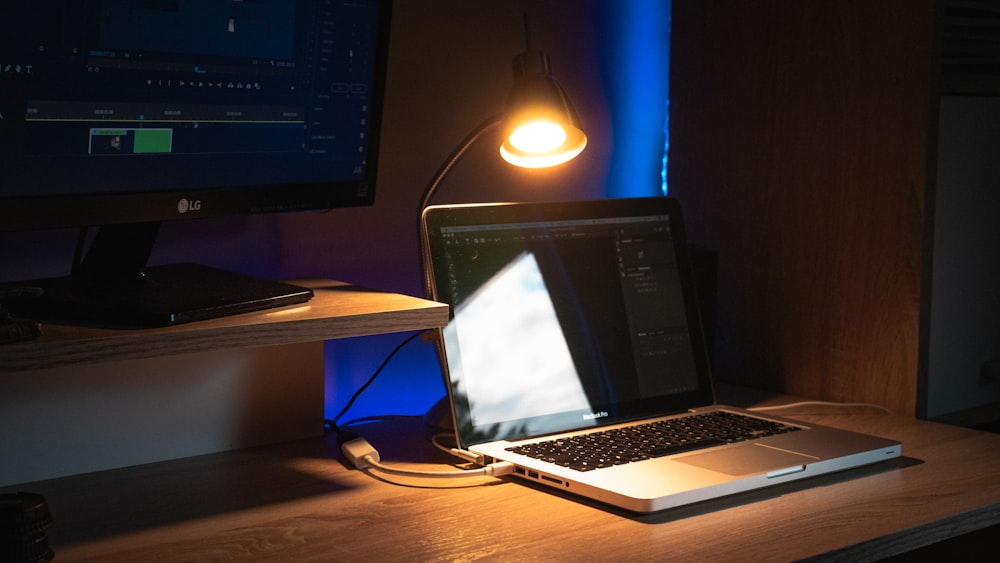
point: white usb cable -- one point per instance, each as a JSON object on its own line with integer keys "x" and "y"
{"x": 363, "y": 456}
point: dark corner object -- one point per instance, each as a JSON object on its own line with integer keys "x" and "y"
{"x": 24, "y": 523}
{"x": 13, "y": 329}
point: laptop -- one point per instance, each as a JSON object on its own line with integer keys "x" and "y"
{"x": 574, "y": 326}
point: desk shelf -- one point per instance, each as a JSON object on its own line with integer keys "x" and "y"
{"x": 338, "y": 310}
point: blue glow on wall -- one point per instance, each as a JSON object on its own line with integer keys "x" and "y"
{"x": 636, "y": 65}
{"x": 409, "y": 385}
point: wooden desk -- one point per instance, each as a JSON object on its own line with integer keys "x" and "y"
{"x": 298, "y": 502}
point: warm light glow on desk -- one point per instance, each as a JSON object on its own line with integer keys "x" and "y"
{"x": 298, "y": 310}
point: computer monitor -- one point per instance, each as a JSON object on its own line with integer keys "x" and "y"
{"x": 122, "y": 114}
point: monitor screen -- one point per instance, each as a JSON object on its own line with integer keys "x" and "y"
{"x": 124, "y": 112}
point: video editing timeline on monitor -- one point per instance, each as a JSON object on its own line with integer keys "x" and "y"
{"x": 154, "y": 78}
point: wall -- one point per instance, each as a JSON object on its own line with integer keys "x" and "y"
{"x": 800, "y": 139}
{"x": 800, "y": 134}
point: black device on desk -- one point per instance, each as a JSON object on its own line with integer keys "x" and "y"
{"x": 13, "y": 329}
{"x": 126, "y": 114}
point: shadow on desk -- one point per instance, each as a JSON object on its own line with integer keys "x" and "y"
{"x": 117, "y": 502}
{"x": 121, "y": 501}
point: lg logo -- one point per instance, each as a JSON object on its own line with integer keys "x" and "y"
{"x": 184, "y": 205}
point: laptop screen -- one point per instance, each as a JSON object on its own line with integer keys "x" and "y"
{"x": 565, "y": 316}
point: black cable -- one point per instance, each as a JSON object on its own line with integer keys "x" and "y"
{"x": 359, "y": 453}
{"x": 527, "y": 33}
{"x": 81, "y": 241}
{"x": 332, "y": 424}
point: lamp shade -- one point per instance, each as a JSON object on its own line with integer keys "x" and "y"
{"x": 540, "y": 126}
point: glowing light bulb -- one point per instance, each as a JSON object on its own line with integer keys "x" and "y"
{"x": 538, "y": 137}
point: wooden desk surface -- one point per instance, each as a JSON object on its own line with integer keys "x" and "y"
{"x": 298, "y": 502}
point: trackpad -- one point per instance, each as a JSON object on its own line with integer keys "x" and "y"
{"x": 746, "y": 459}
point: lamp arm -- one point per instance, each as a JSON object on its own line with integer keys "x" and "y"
{"x": 445, "y": 168}
{"x": 432, "y": 187}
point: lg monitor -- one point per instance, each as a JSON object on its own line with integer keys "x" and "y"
{"x": 122, "y": 114}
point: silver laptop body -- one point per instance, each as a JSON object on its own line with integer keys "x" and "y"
{"x": 580, "y": 317}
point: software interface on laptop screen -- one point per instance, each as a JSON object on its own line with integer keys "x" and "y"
{"x": 593, "y": 308}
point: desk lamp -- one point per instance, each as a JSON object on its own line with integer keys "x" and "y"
{"x": 540, "y": 129}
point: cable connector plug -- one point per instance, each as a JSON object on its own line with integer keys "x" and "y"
{"x": 359, "y": 453}
{"x": 499, "y": 468}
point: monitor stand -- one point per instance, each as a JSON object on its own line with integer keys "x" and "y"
{"x": 112, "y": 286}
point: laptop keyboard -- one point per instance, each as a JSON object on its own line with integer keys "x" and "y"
{"x": 618, "y": 446}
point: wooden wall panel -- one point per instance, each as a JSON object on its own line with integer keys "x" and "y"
{"x": 799, "y": 150}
